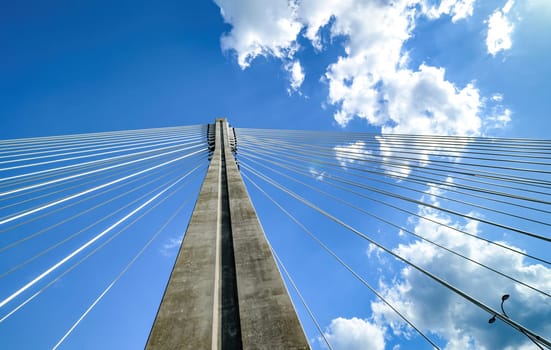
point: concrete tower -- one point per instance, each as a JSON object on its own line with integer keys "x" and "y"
{"x": 225, "y": 291}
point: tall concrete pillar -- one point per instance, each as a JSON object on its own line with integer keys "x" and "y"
{"x": 225, "y": 291}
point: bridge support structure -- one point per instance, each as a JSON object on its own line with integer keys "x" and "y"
{"x": 225, "y": 290}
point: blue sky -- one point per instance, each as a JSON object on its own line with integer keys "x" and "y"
{"x": 456, "y": 67}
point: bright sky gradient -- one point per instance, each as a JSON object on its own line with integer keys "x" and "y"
{"x": 450, "y": 67}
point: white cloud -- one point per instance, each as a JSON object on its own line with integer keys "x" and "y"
{"x": 318, "y": 175}
{"x": 371, "y": 80}
{"x": 355, "y": 334}
{"x": 434, "y": 310}
{"x": 424, "y": 102}
{"x": 414, "y": 102}
{"x": 296, "y": 75}
{"x": 171, "y": 246}
{"x": 497, "y": 115}
{"x": 397, "y": 168}
{"x": 457, "y": 9}
{"x": 260, "y": 28}
{"x": 498, "y": 121}
{"x": 500, "y": 29}
{"x": 395, "y": 155}
{"x": 507, "y": 7}
{"x": 374, "y": 250}
{"x": 351, "y": 153}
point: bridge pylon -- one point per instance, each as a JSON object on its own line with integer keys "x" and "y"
{"x": 225, "y": 290}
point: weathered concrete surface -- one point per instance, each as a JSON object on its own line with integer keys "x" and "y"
{"x": 225, "y": 291}
{"x": 267, "y": 316}
{"x": 185, "y": 319}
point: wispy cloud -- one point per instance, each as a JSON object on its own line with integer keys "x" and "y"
{"x": 351, "y": 153}
{"x": 500, "y": 29}
{"x": 458, "y": 10}
{"x": 171, "y": 246}
{"x": 296, "y": 77}
{"x": 318, "y": 175}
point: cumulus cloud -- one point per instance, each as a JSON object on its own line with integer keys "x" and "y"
{"x": 372, "y": 82}
{"x": 434, "y": 310}
{"x": 372, "y": 79}
{"x": 424, "y": 101}
{"x": 417, "y": 102}
{"x": 260, "y": 28}
{"x": 354, "y": 334}
{"x": 500, "y": 29}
